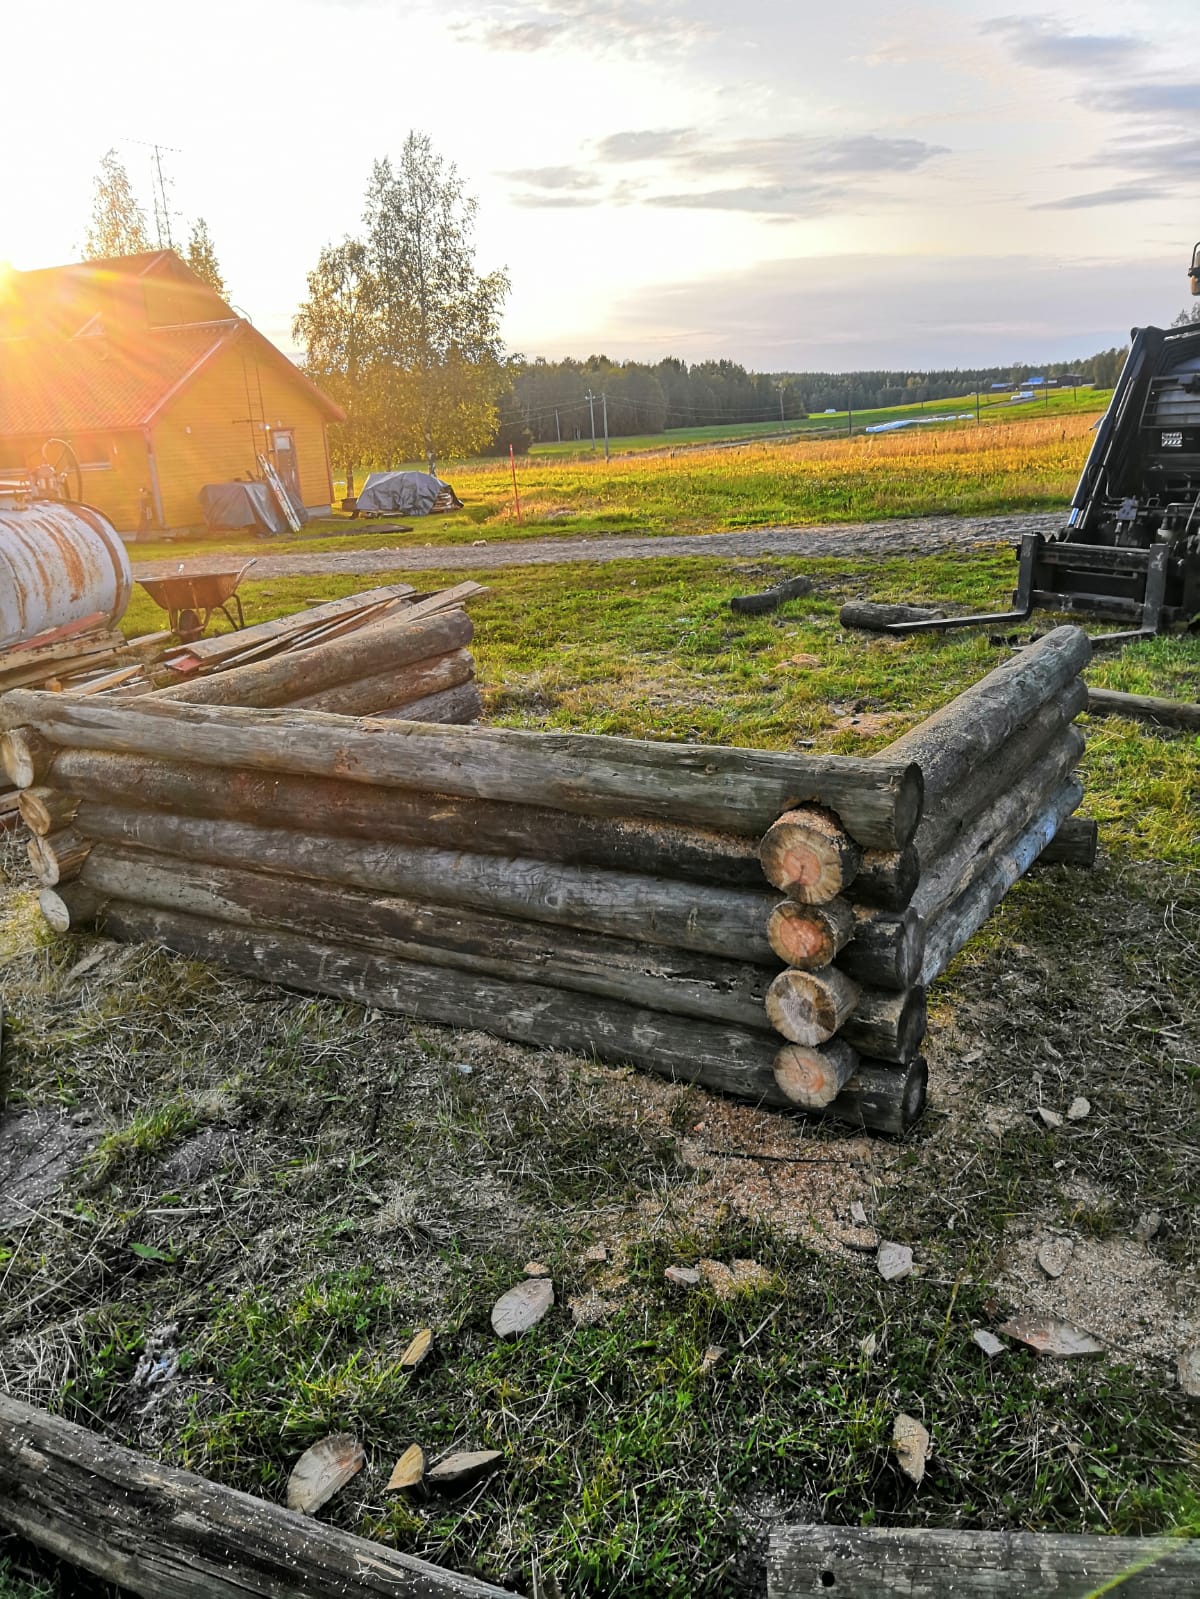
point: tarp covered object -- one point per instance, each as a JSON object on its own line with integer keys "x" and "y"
{"x": 404, "y": 494}
{"x": 238, "y": 505}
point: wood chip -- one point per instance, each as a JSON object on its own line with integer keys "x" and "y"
{"x": 522, "y": 1307}
{"x": 408, "y": 1470}
{"x": 1078, "y": 1108}
{"x": 1046, "y": 1336}
{"x": 536, "y": 1268}
{"x": 465, "y": 1466}
{"x": 1054, "y": 1256}
{"x": 804, "y": 660}
{"x": 988, "y": 1342}
{"x": 682, "y": 1276}
{"x": 596, "y": 1255}
{"x": 911, "y": 1443}
{"x": 858, "y": 1213}
{"x": 1147, "y": 1226}
{"x": 894, "y": 1261}
{"x": 864, "y": 1239}
{"x": 417, "y": 1350}
{"x": 713, "y": 1355}
{"x": 322, "y": 1470}
{"x": 1188, "y": 1367}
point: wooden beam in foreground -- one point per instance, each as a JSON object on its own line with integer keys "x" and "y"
{"x": 169, "y": 1534}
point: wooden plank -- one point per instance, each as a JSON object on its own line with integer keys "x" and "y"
{"x": 899, "y": 1562}
{"x": 168, "y": 1534}
{"x": 216, "y": 648}
{"x": 699, "y": 784}
{"x": 107, "y": 680}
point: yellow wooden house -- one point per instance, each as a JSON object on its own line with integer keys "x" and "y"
{"x": 158, "y": 386}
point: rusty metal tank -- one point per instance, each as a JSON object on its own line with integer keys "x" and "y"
{"x": 60, "y": 563}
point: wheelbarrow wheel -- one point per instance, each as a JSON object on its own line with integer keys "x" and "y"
{"x": 189, "y": 626}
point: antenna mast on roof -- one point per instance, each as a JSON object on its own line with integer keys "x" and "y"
{"x": 159, "y": 185}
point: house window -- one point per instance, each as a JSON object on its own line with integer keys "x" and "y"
{"x": 94, "y": 450}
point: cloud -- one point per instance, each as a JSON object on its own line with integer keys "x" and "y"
{"x": 1154, "y": 99}
{"x": 517, "y": 25}
{"x": 644, "y": 144}
{"x": 1119, "y": 194}
{"x": 555, "y": 177}
{"x": 779, "y": 200}
{"x": 1043, "y": 42}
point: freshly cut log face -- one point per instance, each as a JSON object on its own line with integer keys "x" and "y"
{"x": 809, "y": 855}
{"x": 322, "y": 1470}
{"x": 809, "y": 936}
{"x": 813, "y": 1078}
{"x": 25, "y": 756}
{"x": 810, "y": 1007}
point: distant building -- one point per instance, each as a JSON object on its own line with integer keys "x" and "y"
{"x": 158, "y": 386}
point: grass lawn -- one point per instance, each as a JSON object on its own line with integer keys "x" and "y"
{"x": 292, "y": 1187}
{"x": 1031, "y": 463}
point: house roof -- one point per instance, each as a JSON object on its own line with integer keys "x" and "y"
{"x": 80, "y": 353}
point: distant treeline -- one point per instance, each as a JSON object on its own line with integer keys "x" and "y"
{"x": 548, "y": 400}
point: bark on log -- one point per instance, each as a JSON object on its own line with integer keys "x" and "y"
{"x": 1144, "y": 708}
{"x": 940, "y": 827}
{"x": 69, "y": 908}
{"x": 890, "y": 1562}
{"x": 813, "y": 1078}
{"x": 1010, "y": 814}
{"x": 887, "y": 879}
{"x": 25, "y": 755}
{"x": 636, "y": 973}
{"x": 46, "y": 810}
{"x": 808, "y": 855}
{"x": 771, "y": 599}
{"x": 679, "y": 915}
{"x": 963, "y": 918}
{"x": 399, "y": 642}
{"x": 811, "y": 1007}
{"x": 394, "y": 687}
{"x": 809, "y": 936}
{"x": 875, "y": 617}
{"x": 948, "y": 745}
{"x": 1074, "y": 844}
{"x": 889, "y": 1027}
{"x": 887, "y": 1099}
{"x": 58, "y": 857}
{"x": 167, "y": 1534}
{"x": 885, "y": 950}
{"x": 354, "y": 810}
{"x": 454, "y": 706}
{"x": 706, "y": 785}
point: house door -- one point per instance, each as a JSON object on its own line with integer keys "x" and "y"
{"x": 283, "y": 447}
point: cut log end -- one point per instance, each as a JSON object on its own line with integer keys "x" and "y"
{"x": 25, "y": 756}
{"x": 70, "y": 907}
{"x": 813, "y": 1078}
{"x": 886, "y": 1099}
{"x": 810, "y": 1007}
{"x": 809, "y": 936}
{"x": 809, "y": 856}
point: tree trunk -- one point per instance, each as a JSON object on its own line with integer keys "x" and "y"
{"x": 887, "y": 879}
{"x": 884, "y": 951}
{"x": 453, "y": 706}
{"x": 392, "y": 688}
{"x": 898, "y": 1562}
{"x": 664, "y": 911}
{"x": 813, "y": 1078}
{"x": 397, "y": 816}
{"x": 1144, "y": 707}
{"x": 810, "y": 1007}
{"x": 889, "y": 1027}
{"x": 808, "y": 855}
{"x": 707, "y": 785}
{"x": 887, "y": 1099}
{"x": 876, "y": 617}
{"x": 1073, "y": 845}
{"x": 167, "y": 1534}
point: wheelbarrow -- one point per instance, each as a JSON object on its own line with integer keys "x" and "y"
{"x": 191, "y": 598}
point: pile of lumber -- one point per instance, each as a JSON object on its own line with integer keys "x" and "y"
{"x": 614, "y": 896}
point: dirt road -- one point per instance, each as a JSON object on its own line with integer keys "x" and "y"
{"x": 923, "y": 534}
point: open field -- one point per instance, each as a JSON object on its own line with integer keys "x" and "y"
{"x": 1028, "y": 464}
{"x": 294, "y": 1186}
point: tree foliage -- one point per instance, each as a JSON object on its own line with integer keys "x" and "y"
{"x": 399, "y": 326}
{"x": 118, "y": 224}
{"x": 201, "y": 256}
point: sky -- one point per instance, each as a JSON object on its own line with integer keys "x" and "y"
{"x": 790, "y": 185}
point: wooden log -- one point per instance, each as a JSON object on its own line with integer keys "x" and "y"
{"x": 876, "y": 617}
{"x": 1074, "y": 844}
{"x": 679, "y": 915}
{"x": 771, "y": 599}
{"x": 668, "y": 980}
{"x": 941, "y": 826}
{"x": 58, "y": 857}
{"x": 810, "y": 1007}
{"x": 891, "y": 1562}
{"x": 205, "y": 652}
{"x": 812, "y": 1078}
{"x": 388, "y": 646}
{"x": 394, "y": 687}
{"x": 809, "y": 936}
{"x": 885, "y": 950}
{"x": 69, "y": 908}
{"x": 886, "y": 1099}
{"x": 168, "y": 1534}
{"x": 964, "y": 916}
{"x": 809, "y": 856}
{"x": 26, "y": 756}
{"x": 45, "y": 810}
{"x": 734, "y": 1060}
{"x": 1009, "y": 815}
{"x": 889, "y": 1027}
{"x": 744, "y": 791}
{"x": 1144, "y": 708}
{"x": 453, "y": 706}
{"x": 948, "y": 745}
{"x": 355, "y": 810}
{"x": 887, "y": 879}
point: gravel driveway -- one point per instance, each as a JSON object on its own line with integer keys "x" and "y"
{"x": 922, "y": 534}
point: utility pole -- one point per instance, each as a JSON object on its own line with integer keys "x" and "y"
{"x": 977, "y": 405}
{"x": 557, "y": 428}
{"x": 591, "y": 400}
{"x": 781, "y": 416}
{"x": 604, "y": 403}
{"x": 849, "y": 412}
